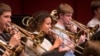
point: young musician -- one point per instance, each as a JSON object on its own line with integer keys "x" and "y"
{"x": 10, "y": 38}
{"x": 64, "y": 13}
{"x": 95, "y": 8}
{"x": 41, "y": 24}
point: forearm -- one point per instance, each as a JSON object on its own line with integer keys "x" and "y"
{"x": 57, "y": 43}
{"x": 67, "y": 47}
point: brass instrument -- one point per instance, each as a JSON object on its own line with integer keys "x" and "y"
{"x": 35, "y": 37}
{"x": 79, "y": 25}
{"x": 67, "y": 32}
{"x": 82, "y": 27}
{"x": 90, "y": 32}
{"x": 8, "y": 48}
{"x": 5, "y": 45}
{"x": 25, "y": 20}
{"x": 18, "y": 48}
{"x": 66, "y": 44}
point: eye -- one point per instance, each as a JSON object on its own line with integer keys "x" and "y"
{"x": 7, "y": 16}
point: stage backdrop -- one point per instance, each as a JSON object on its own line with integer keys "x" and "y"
{"x": 28, "y": 7}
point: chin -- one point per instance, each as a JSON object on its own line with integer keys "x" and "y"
{"x": 5, "y": 27}
{"x": 46, "y": 32}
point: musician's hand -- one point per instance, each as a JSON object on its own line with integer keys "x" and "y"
{"x": 82, "y": 39}
{"x": 73, "y": 28}
{"x": 15, "y": 39}
{"x": 56, "y": 44}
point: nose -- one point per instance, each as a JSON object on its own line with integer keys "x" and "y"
{"x": 9, "y": 19}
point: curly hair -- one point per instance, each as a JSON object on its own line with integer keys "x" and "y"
{"x": 37, "y": 20}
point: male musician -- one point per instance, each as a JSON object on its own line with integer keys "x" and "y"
{"x": 95, "y": 8}
{"x": 11, "y": 39}
{"x": 64, "y": 13}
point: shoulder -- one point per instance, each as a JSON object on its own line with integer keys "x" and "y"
{"x": 92, "y": 22}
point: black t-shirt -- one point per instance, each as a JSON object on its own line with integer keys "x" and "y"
{"x": 5, "y": 37}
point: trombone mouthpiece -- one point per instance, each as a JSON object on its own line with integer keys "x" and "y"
{"x": 51, "y": 30}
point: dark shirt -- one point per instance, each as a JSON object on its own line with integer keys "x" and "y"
{"x": 96, "y": 36}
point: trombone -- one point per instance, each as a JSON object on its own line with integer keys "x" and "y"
{"x": 71, "y": 35}
{"x": 79, "y": 25}
{"x": 66, "y": 39}
{"x": 82, "y": 27}
{"x": 34, "y": 37}
{"x": 8, "y": 48}
{"x": 29, "y": 35}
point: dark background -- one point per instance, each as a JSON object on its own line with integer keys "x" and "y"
{"x": 22, "y": 8}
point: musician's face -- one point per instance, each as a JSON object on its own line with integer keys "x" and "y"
{"x": 97, "y": 13}
{"x": 67, "y": 17}
{"x": 5, "y": 19}
{"x": 46, "y": 25}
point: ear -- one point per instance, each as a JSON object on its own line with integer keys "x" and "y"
{"x": 61, "y": 15}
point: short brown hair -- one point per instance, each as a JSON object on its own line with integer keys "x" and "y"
{"x": 64, "y": 8}
{"x": 4, "y": 7}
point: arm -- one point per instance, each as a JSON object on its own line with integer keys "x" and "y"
{"x": 14, "y": 41}
{"x": 66, "y": 47}
{"x": 57, "y": 43}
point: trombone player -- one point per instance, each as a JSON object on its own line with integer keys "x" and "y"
{"x": 64, "y": 13}
{"x": 95, "y": 9}
{"x": 12, "y": 37}
{"x": 41, "y": 23}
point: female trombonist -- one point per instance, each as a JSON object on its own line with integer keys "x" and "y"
{"x": 41, "y": 23}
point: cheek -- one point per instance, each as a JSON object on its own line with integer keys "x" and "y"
{"x": 46, "y": 28}
{"x": 2, "y": 22}
{"x": 43, "y": 27}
